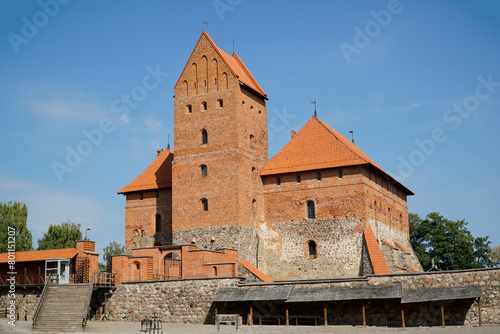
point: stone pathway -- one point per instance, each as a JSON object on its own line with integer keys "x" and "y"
{"x": 133, "y": 327}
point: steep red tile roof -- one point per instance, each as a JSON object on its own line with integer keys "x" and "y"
{"x": 254, "y": 270}
{"x": 157, "y": 175}
{"x": 40, "y": 255}
{"x": 318, "y": 146}
{"x": 236, "y": 66}
{"x": 402, "y": 247}
{"x": 412, "y": 267}
{"x": 376, "y": 257}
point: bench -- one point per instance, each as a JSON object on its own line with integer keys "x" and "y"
{"x": 228, "y": 319}
{"x": 269, "y": 318}
{"x": 306, "y": 318}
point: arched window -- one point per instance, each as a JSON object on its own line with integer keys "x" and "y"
{"x": 172, "y": 266}
{"x": 221, "y": 103}
{"x": 311, "y": 248}
{"x": 214, "y": 270}
{"x": 252, "y": 140}
{"x": 189, "y": 108}
{"x": 203, "y": 170}
{"x": 158, "y": 223}
{"x": 204, "y": 203}
{"x": 205, "y": 106}
{"x": 311, "y": 213}
{"x": 204, "y": 137}
{"x": 254, "y": 205}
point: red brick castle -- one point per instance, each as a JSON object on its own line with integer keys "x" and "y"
{"x": 320, "y": 208}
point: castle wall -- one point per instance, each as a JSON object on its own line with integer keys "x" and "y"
{"x": 191, "y": 301}
{"x": 141, "y": 209}
{"x": 283, "y": 251}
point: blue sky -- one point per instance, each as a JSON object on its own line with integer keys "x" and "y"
{"x": 417, "y": 81}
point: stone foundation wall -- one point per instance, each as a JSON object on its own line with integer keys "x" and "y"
{"x": 190, "y": 301}
{"x": 26, "y": 302}
{"x": 181, "y": 301}
{"x": 283, "y": 251}
{"x": 241, "y": 238}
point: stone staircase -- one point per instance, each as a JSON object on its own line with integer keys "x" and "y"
{"x": 63, "y": 308}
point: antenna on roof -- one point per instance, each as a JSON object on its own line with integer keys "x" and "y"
{"x": 168, "y": 142}
{"x": 315, "y": 112}
{"x": 206, "y": 23}
{"x": 352, "y": 137}
{"x": 233, "y": 45}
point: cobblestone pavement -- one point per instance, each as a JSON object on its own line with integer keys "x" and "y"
{"x": 134, "y": 327}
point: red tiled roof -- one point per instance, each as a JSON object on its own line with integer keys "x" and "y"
{"x": 40, "y": 255}
{"x": 318, "y": 146}
{"x": 157, "y": 175}
{"x": 387, "y": 242}
{"x": 412, "y": 267}
{"x": 376, "y": 257}
{"x": 402, "y": 247}
{"x": 254, "y": 270}
{"x": 235, "y": 65}
{"x": 403, "y": 268}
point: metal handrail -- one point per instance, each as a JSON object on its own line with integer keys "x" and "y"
{"x": 48, "y": 280}
{"x": 87, "y": 303}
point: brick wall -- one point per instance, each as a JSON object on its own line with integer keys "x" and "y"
{"x": 141, "y": 209}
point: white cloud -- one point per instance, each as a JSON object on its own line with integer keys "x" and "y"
{"x": 153, "y": 124}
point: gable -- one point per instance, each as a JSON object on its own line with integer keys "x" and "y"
{"x": 211, "y": 69}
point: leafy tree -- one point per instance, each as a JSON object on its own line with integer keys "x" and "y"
{"x": 448, "y": 242}
{"x": 495, "y": 255}
{"x": 61, "y": 236}
{"x": 14, "y": 216}
{"x": 113, "y": 248}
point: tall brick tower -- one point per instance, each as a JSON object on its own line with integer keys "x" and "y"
{"x": 220, "y": 142}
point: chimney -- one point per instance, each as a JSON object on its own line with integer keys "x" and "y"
{"x": 159, "y": 152}
{"x": 293, "y": 134}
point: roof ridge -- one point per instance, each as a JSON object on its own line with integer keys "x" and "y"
{"x": 341, "y": 138}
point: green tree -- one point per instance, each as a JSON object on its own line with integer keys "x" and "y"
{"x": 14, "y": 216}
{"x": 113, "y": 248}
{"x": 448, "y": 242}
{"x": 61, "y": 236}
{"x": 495, "y": 255}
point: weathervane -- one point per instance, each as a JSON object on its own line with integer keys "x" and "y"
{"x": 352, "y": 137}
{"x": 315, "y": 112}
{"x": 206, "y": 23}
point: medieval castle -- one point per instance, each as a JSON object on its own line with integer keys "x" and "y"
{"x": 218, "y": 206}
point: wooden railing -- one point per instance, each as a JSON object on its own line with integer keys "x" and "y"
{"x": 23, "y": 279}
{"x": 48, "y": 281}
{"x": 87, "y": 303}
{"x": 104, "y": 279}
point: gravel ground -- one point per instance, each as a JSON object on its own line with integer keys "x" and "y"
{"x": 133, "y": 327}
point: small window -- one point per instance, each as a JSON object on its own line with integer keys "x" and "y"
{"x": 214, "y": 270}
{"x": 297, "y": 178}
{"x": 203, "y": 170}
{"x": 158, "y": 223}
{"x": 312, "y": 251}
{"x": 341, "y": 173}
{"x": 204, "y": 104}
{"x": 242, "y": 102}
{"x": 260, "y": 112}
{"x": 204, "y": 137}
{"x": 189, "y": 108}
{"x": 141, "y": 195}
{"x": 251, "y": 141}
{"x": 204, "y": 203}
{"x": 221, "y": 103}
{"x": 318, "y": 176}
{"x": 311, "y": 214}
{"x": 278, "y": 181}
{"x": 254, "y": 205}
